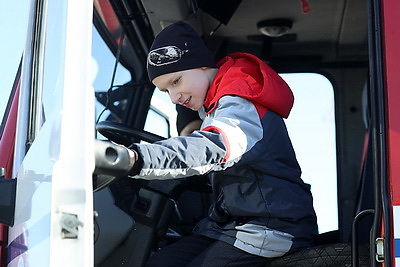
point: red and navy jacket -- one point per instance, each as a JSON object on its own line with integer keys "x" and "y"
{"x": 261, "y": 205}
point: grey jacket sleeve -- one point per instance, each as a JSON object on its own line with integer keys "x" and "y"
{"x": 227, "y": 133}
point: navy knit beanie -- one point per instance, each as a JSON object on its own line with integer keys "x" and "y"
{"x": 178, "y": 47}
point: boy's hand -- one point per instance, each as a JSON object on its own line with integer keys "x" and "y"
{"x": 135, "y": 160}
{"x": 133, "y": 155}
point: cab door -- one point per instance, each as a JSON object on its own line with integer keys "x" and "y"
{"x": 53, "y": 158}
{"x": 390, "y": 82}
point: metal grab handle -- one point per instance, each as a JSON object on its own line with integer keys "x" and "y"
{"x": 354, "y": 239}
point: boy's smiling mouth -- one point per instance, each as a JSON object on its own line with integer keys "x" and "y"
{"x": 186, "y": 103}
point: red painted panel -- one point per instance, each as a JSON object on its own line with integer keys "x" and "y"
{"x": 391, "y": 11}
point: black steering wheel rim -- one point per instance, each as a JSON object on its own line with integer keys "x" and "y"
{"x": 125, "y": 135}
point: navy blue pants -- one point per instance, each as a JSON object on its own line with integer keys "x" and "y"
{"x": 195, "y": 250}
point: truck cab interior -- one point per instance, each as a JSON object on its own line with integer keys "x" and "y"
{"x": 326, "y": 38}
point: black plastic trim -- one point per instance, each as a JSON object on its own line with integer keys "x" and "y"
{"x": 8, "y": 189}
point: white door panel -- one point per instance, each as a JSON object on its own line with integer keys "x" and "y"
{"x": 54, "y": 205}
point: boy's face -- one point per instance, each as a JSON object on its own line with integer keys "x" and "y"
{"x": 187, "y": 88}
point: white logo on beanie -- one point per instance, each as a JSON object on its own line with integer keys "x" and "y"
{"x": 165, "y": 55}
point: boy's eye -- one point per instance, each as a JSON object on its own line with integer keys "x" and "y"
{"x": 176, "y": 81}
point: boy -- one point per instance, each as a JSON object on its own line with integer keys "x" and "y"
{"x": 262, "y": 209}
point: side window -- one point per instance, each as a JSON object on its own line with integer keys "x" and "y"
{"x": 161, "y": 118}
{"x": 54, "y": 56}
{"x": 13, "y": 18}
{"x": 311, "y": 127}
{"x": 157, "y": 123}
{"x": 6, "y": 100}
{"x": 103, "y": 62}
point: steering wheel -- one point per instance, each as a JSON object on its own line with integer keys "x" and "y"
{"x": 124, "y": 135}
{"x": 120, "y": 134}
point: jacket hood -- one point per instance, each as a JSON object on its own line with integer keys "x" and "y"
{"x": 249, "y": 77}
